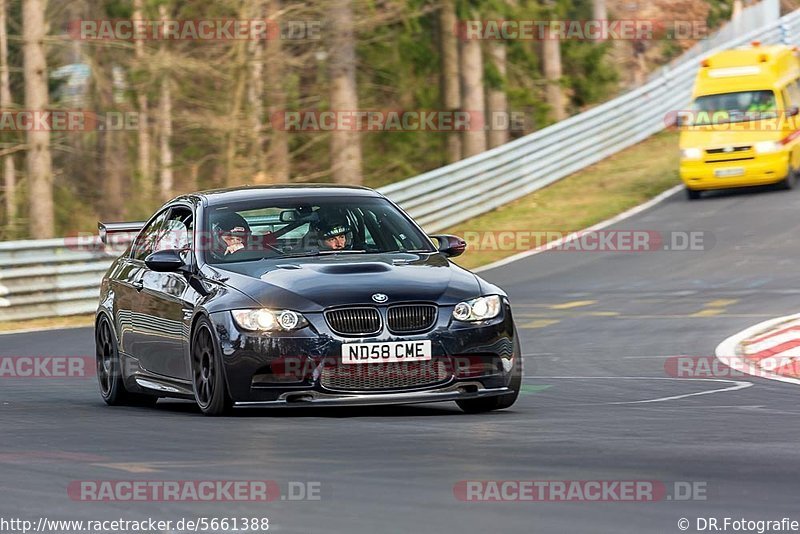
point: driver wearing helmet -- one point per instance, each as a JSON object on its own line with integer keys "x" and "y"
{"x": 233, "y": 233}
{"x": 333, "y": 234}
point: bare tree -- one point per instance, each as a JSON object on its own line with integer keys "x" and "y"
{"x": 143, "y": 144}
{"x": 255, "y": 94}
{"x": 600, "y": 12}
{"x": 472, "y": 96}
{"x": 38, "y": 161}
{"x": 451, "y": 90}
{"x": 114, "y": 154}
{"x": 237, "y": 99}
{"x": 278, "y": 158}
{"x": 345, "y": 144}
{"x": 9, "y": 173}
{"x": 498, "y": 117}
{"x": 165, "y": 128}
{"x": 551, "y": 52}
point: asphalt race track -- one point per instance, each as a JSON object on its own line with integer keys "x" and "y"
{"x": 597, "y": 328}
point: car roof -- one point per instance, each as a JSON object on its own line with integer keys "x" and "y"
{"x": 266, "y": 192}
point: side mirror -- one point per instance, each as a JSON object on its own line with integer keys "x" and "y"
{"x": 450, "y": 245}
{"x": 791, "y": 111}
{"x": 165, "y": 261}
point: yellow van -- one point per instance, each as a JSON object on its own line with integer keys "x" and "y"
{"x": 743, "y": 127}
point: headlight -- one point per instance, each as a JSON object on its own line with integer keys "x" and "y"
{"x": 767, "y": 147}
{"x": 269, "y": 320}
{"x": 479, "y": 309}
{"x": 691, "y": 153}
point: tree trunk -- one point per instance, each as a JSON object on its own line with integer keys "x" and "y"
{"x": 451, "y": 90}
{"x": 255, "y": 94}
{"x": 38, "y": 161}
{"x": 498, "y": 116}
{"x": 111, "y": 143}
{"x": 278, "y": 158}
{"x": 345, "y": 144}
{"x": 551, "y": 52}
{"x": 143, "y": 147}
{"x": 600, "y": 13}
{"x": 165, "y": 129}
{"x": 9, "y": 173}
{"x": 233, "y": 175}
{"x": 472, "y": 97}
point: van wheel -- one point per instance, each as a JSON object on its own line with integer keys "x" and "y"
{"x": 691, "y": 194}
{"x": 789, "y": 182}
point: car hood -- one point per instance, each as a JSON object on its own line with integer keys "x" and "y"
{"x": 315, "y": 283}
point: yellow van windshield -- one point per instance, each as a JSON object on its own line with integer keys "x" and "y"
{"x": 734, "y": 107}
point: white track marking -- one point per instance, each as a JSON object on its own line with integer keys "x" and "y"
{"x": 727, "y": 352}
{"x": 571, "y": 237}
{"x": 736, "y": 385}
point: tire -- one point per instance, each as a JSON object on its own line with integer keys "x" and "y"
{"x": 691, "y": 194}
{"x": 208, "y": 379}
{"x": 109, "y": 370}
{"x": 503, "y": 401}
{"x": 789, "y": 182}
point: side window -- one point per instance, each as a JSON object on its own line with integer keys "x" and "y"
{"x": 146, "y": 242}
{"x": 794, "y": 93}
{"x": 176, "y": 232}
{"x": 787, "y": 98}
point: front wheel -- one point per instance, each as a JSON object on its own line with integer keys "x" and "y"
{"x": 210, "y": 391}
{"x": 691, "y": 194}
{"x": 789, "y": 182}
{"x": 503, "y": 401}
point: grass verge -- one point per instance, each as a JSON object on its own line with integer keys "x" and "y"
{"x": 73, "y": 321}
{"x": 578, "y": 201}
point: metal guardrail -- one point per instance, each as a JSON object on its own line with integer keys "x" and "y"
{"x": 455, "y": 193}
{"x": 60, "y": 277}
{"x": 50, "y": 277}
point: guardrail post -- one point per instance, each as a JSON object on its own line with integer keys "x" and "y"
{"x": 785, "y": 34}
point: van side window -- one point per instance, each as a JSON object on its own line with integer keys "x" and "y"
{"x": 794, "y": 93}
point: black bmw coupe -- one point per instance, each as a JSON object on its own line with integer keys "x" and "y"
{"x": 299, "y": 296}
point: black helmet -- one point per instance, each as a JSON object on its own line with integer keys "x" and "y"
{"x": 328, "y": 227}
{"x": 228, "y": 223}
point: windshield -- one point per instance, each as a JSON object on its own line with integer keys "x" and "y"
{"x": 733, "y": 107}
{"x": 274, "y": 229}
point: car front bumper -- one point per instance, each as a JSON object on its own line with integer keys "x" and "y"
{"x": 764, "y": 169}
{"x": 479, "y": 359}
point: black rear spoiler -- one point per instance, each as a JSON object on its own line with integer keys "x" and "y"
{"x": 106, "y": 229}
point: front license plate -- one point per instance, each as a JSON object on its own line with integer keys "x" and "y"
{"x": 390, "y": 352}
{"x": 731, "y": 171}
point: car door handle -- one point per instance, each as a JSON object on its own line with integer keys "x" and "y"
{"x": 138, "y": 285}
